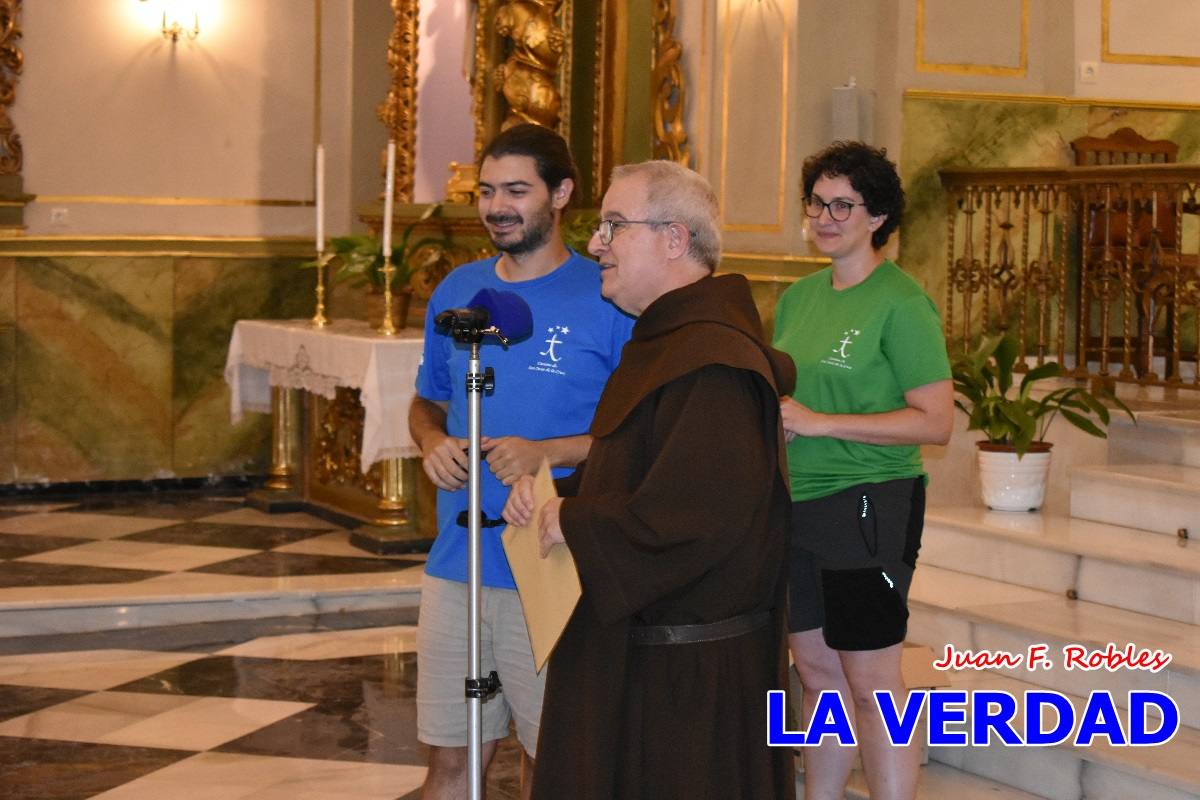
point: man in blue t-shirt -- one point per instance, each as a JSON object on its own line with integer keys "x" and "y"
{"x": 546, "y": 392}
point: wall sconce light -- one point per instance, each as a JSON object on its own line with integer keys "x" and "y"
{"x": 174, "y": 30}
{"x": 174, "y": 14}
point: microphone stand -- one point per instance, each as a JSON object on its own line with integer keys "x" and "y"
{"x": 478, "y": 688}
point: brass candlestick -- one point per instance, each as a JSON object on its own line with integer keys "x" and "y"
{"x": 387, "y": 328}
{"x": 319, "y": 320}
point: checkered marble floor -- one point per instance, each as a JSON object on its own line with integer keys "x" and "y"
{"x": 301, "y": 706}
{"x": 144, "y": 560}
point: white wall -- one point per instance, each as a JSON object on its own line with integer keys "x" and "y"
{"x": 1146, "y": 30}
{"x": 445, "y": 125}
{"x": 891, "y": 46}
{"x": 120, "y": 126}
{"x": 112, "y": 113}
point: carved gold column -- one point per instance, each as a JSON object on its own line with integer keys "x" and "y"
{"x": 399, "y": 111}
{"x": 13, "y": 198}
{"x": 528, "y": 77}
{"x": 670, "y": 139}
{"x": 285, "y": 430}
{"x": 11, "y": 61}
{"x": 391, "y": 493}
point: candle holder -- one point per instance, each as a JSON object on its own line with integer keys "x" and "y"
{"x": 319, "y": 320}
{"x": 388, "y": 328}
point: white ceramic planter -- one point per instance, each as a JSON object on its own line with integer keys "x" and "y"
{"x": 1012, "y": 484}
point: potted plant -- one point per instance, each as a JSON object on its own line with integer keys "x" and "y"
{"x": 358, "y": 261}
{"x": 1014, "y": 459}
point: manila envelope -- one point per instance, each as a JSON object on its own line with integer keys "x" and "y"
{"x": 549, "y": 587}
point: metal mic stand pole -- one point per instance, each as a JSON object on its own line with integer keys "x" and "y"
{"x": 477, "y": 689}
{"x": 474, "y": 509}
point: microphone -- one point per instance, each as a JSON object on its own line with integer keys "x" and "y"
{"x": 491, "y": 311}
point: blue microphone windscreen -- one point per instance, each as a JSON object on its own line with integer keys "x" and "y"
{"x": 507, "y": 311}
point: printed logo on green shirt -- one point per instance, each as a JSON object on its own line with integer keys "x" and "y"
{"x": 841, "y": 356}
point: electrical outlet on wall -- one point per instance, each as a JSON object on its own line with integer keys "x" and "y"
{"x": 1088, "y": 71}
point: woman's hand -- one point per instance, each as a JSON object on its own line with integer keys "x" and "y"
{"x": 799, "y": 420}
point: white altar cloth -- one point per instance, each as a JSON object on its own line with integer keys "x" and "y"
{"x": 292, "y": 354}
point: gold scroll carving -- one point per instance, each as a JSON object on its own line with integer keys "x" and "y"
{"x": 11, "y": 61}
{"x": 399, "y": 111}
{"x": 339, "y": 443}
{"x": 528, "y": 77}
{"x": 670, "y": 139}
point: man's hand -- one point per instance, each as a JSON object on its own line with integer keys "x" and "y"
{"x": 510, "y": 457}
{"x": 549, "y": 529}
{"x": 445, "y": 462}
{"x": 519, "y": 508}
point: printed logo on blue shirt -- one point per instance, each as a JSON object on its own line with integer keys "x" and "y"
{"x": 552, "y": 356}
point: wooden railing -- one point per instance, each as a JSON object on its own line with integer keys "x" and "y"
{"x": 1095, "y": 267}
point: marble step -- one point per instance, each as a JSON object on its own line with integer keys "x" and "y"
{"x": 974, "y": 613}
{"x": 937, "y": 782}
{"x": 1066, "y": 772}
{"x": 1164, "y": 437}
{"x": 1163, "y": 498}
{"x": 179, "y": 598}
{"x": 1106, "y": 564}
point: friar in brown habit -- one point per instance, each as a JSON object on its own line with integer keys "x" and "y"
{"x": 677, "y": 522}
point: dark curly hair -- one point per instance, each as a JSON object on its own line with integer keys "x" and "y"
{"x": 548, "y": 150}
{"x": 870, "y": 173}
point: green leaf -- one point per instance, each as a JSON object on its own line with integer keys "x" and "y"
{"x": 1083, "y": 423}
{"x": 1050, "y": 369}
{"x": 1005, "y": 357}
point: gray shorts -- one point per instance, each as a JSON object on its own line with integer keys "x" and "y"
{"x": 442, "y": 711}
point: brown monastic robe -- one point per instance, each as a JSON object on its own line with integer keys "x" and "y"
{"x": 678, "y": 516}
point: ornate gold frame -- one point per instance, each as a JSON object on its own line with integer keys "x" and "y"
{"x": 399, "y": 111}
{"x": 12, "y": 155}
{"x": 670, "y": 138}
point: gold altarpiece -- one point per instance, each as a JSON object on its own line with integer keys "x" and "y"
{"x": 13, "y": 198}
{"x": 608, "y": 76}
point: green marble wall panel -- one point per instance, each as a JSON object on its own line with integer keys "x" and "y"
{"x": 8, "y": 369}
{"x": 93, "y": 356}
{"x": 985, "y": 132}
{"x": 210, "y": 296}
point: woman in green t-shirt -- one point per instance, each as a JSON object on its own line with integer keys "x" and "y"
{"x": 872, "y": 385}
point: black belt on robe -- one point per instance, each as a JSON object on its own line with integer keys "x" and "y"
{"x": 705, "y": 632}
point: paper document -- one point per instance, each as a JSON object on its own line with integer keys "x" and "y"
{"x": 549, "y": 587}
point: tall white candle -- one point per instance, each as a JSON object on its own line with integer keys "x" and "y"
{"x": 320, "y": 192}
{"x": 389, "y": 199}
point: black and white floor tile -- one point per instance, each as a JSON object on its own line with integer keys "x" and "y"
{"x": 291, "y": 707}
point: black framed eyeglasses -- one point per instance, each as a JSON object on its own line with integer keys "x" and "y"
{"x": 607, "y": 228}
{"x": 839, "y": 210}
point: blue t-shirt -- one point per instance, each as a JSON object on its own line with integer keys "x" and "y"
{"x": 547, "y": 386}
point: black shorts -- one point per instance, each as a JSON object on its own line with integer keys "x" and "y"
{"x": 853, "y": 555}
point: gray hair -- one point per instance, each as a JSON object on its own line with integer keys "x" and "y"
{"x": 678, "y": 194}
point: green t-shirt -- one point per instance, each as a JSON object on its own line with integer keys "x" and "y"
{"x": 857, "y": 351}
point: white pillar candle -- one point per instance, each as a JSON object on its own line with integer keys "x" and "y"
{"x": 320, "y": 193}
{"x": 389, "y": 199}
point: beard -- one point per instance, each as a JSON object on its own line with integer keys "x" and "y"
{"x": 532, "y": 236}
